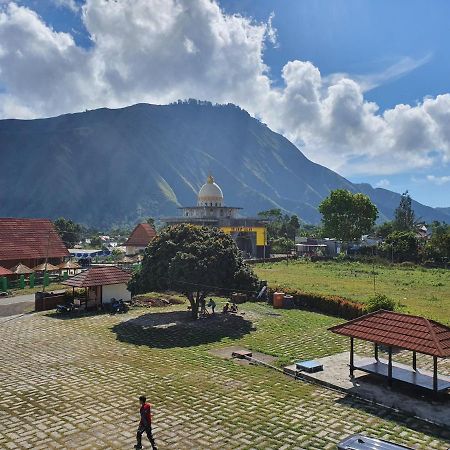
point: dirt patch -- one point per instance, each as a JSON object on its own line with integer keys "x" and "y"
{"x": 226, "y": 353}
{"x": 152, "y": 300}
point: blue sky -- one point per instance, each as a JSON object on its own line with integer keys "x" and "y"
{"x": 397, "y": 51}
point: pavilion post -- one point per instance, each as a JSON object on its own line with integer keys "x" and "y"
{"x": 414, "y": 360}
{"x": 376, "y": 351}
{"x": 390, "y": 367}
{"x": 435, "y": 374}
{"x": 352, "y": 367}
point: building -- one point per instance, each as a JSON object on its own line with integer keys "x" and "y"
{"x": 30, "y": 242}
{"x": 102, "y": 284}
{"x": 248, "y": 233}
{"x": 139, "y": 238}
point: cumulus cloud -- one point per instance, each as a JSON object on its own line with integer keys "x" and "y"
{"x": 383, "y": 183}
{"x": 158, "y": 51}
{"x": 438, "y": 180}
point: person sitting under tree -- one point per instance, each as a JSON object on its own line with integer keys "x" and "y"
{"x": 212, "y": 304}
{"x": 145, "y": 424}
{"x": 234, "y": 308}
{"x": 226, "y": 308}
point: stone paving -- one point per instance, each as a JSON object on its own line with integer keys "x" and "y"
{"x": 74, "y": 383}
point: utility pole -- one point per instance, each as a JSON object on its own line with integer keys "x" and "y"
{"x": 46, "y": 259}
{"x": 373, "y": 270}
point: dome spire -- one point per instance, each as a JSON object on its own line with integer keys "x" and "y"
{"x": 210, "y": 194}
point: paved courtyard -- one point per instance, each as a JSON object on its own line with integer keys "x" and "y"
{"x": 73, "y": 383}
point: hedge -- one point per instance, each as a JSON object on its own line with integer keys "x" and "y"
{"x": 326, "y": 304}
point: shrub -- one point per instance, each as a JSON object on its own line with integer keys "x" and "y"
{"x": 326, "y": 304}
{"x": 380, "y": 301}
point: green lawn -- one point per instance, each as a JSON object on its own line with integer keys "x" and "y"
{"x": 38, "y": 287}
{"x": 417, "y": 290}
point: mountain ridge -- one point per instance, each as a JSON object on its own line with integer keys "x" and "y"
{"x": 115, "y": 166}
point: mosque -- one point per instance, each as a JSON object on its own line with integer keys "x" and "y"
{"x": 248, "y": 233}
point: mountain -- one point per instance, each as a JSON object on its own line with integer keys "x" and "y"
{"x": 109, "y": 167}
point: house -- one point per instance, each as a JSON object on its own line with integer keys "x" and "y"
{"x": 102, "y": 284}
{"x": 139, "y": 239}
{"x": 30, "y": 242}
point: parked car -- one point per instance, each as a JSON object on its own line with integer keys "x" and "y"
{"x": 360, "y": 442}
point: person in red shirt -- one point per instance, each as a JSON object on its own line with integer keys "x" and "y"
{"x": 145, "y": 424}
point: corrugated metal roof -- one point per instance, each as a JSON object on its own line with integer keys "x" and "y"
{"x": 399, "y": 330}
{"x": 99, "y": 276}
{"x": 22, "y": 239}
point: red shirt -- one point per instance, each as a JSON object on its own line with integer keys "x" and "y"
{"x": 146, "y": 415}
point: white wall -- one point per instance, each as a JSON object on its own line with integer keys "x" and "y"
{"x": 116, "y": 291}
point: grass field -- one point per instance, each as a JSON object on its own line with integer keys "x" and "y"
{"x": 416, "y": 290}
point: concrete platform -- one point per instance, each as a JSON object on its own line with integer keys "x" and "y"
{"x": 402, "y": 397}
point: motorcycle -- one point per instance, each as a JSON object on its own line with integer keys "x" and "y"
{"x": 118, "y": 306}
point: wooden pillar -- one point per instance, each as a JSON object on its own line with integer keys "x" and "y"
{"x": 351, "y": 357}
{"x": 435, "y": 374}
{"x": 376, "y": 351}
{"x": 390, "y": 367}
{"x": 414, "y": 361}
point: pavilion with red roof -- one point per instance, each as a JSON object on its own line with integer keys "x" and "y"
{"x": 402, "y": 331}
{"x": 101, "y": 284}
{"x": 140, "y": 237}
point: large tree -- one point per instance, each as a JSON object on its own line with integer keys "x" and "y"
{"x": 404, "y": 217}
{"x": 69, "y": 231}
{"x": 195, "y": 261}
{"x": 280, "y": 228}
{"x": 347, "y": 216}
{"x": 401, "y": 246}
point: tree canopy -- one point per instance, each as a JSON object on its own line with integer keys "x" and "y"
{"x": 404, "y": 217}
{"x": 401, "y": 246}
{"x": 195, "y": 261}
{"x": 281, "y": 229}
{"x": 347, "y": 216}
{"x": 69, "y": 231}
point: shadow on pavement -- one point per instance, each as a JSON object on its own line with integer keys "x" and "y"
{"x": 176, "y": 329}
{"x": 403, "y": 419}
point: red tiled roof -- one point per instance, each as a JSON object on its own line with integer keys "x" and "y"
{"x": 22, "y": 239}
{"x": 99, "y": 276}
{"x": 141, "y": 235}
{"x": 399, "y": 330}
{"x": 5, "y": 272}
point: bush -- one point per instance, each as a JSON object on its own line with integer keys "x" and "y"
{"x": 70, "y": 294}
{"x": 326, "y": 304}
{"x": 380, "y": 301}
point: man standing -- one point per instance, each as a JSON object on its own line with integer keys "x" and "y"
{"x": 145, "y": 425}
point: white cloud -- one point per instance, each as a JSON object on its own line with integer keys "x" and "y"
{"x": 71, "y": 4}
{"x": 438, "y": 180}
{"x": 158, "y": 51}
{"x": 383, "y": 183}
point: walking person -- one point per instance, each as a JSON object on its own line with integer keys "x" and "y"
{"x": 145, "y": 424}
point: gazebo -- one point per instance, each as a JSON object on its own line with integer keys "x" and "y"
{"x": 22, "y": 269}
{"x": 70, "y": 266}
{"x": 5, "y": 272}
{"x": 402, "y": 331}
{"x": 101, "y": 284}
{"x": 46, "y": 268}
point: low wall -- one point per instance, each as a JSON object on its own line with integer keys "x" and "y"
{"x": 44, "y": 301}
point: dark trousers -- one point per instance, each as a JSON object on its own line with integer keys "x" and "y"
{"x": 143, "y": 429}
